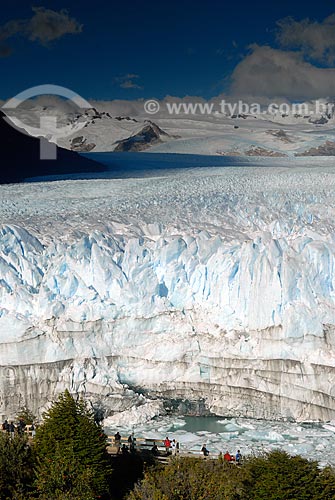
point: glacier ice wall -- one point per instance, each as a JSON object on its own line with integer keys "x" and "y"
{"x": 227, "y": 299}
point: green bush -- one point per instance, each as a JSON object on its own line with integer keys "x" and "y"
{"x": 276, "y": 476}
{"x": 327, "y": 484}
{"x": 193, "y": 479}
{"x": 16, "y": 467}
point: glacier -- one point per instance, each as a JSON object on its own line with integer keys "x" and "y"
{"x": 212, "y": 286}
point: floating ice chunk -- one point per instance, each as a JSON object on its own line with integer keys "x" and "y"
{"x": 329, "y": 427}
{"x": 231, "y": 427}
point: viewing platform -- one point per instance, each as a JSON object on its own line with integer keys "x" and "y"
{"x": 142, "y": 444}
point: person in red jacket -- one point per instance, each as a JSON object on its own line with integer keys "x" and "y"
{"x": 167, "y": 444}
{"x": 226, "y": 456}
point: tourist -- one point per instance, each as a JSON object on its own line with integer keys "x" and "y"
{"x": 174, "y": 447}
{"x": 167, "y": 444}
{"x": 204, "y": 450}
{"x": 21, "y": 426}
{"x": 117, "y": 439}
{"x": 5, "y": 426}
{"x": 238, "y": 457}
{"x": 130, "y": 439}
{"x": 12, "y": 429}
{"x": 154, "y": 449}
{"x": 227, "y": 457}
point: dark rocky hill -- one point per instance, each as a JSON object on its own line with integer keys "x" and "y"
{"x": 20, "y": 157}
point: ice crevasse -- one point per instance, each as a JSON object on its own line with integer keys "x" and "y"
{"x": 241, "y": 321}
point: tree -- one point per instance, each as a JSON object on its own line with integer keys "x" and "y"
{"x": 69, "y": 440}
{"x": 65, "y": 477}
{"x": 16, "y": 467}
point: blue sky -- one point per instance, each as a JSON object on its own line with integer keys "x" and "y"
{"x": 140, "y": 49}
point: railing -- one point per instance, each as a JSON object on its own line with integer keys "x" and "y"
{"x": 146, "y": 444}
{"x": 139, "y": 443}
{"x": 27, "y": 430}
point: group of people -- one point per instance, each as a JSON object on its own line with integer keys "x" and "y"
{"x": 124, "y": 449}
{"x": 227, "y": 456}
{"x": 231, "y": 458}
{"x": 171, "y": 446}
{"x": 19, "y": 428}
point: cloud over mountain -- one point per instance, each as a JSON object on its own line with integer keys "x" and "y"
{"x": 270, "y": 72}
{"x": 315, "y": 39}
{"x": 44, "y": 26}
{"x": 128, "y": 81}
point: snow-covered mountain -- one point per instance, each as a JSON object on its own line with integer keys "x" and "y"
{"x": 90, "y": 129}
{"x": 266, "y": 134}
{"x": 212, "y": 286}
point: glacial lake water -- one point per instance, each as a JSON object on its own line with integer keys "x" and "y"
{"x": 311, "y": 440}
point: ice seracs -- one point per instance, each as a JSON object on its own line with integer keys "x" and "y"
{"x": 212, "y": 285}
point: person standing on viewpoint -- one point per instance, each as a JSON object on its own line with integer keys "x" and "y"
{"x": 117, "y": 438}
{"x": 204, "y": 450}
{"x": 167, "y": 444}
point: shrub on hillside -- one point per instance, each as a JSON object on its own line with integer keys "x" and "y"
{"x": 278, "y": 476}
{"x": 193, "y": 479}
{"x": 275, "y": 476}
{"x": 16, "y": 467}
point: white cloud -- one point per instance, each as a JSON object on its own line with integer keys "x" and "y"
{"x": 315, "y": 39}
{"x": 47, "y": 25}
{"x": 129, "y": 84}
{"x": 44, "y": 26}
{"x": 269, "y": 72}
{"x": 127, "y": 81}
